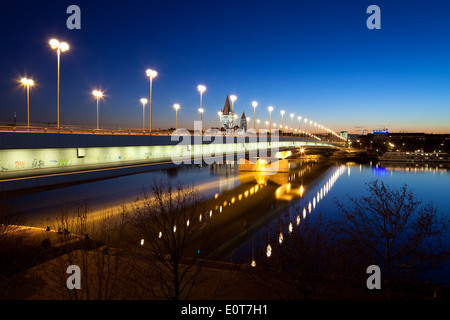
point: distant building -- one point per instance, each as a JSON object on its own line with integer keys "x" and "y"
{"x": 243, "y": 125}
{"x": 344, "y": 134}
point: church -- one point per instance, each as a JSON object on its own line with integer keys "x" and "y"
{"x": 227, "y": 121}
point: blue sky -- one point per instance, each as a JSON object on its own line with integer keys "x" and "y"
{"x": 316, "y": 59}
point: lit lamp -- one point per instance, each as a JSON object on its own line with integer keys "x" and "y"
{"x": 176, "y": 106}
{"x": 60, "y": 47}
{"x": 151, "y": 74}
{"x": 144, "y": 102}
{"x": 220, "y": 113}
{"x": 258, "y": 121}
{"x": 270, "y": 116}
{"x": 299, "y": 118}
{"x": 201, "y": 113}
{"x": 292, "y": 117}
{"x": 254, "y": 104}
{"x": 97, "y": 94}
{"x": 28, "y": 82}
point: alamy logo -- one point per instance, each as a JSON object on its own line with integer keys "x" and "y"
{"x": 374, "y": 21}
{"x": 74, "y": 21}
{"x": 374, "y": 281}
{"x": 74, "y": 281}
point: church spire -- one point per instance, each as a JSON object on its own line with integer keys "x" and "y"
{"x": 227, "y": 107}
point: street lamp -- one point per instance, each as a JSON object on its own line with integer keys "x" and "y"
{"x": 258, "y": 121}
{"x": 144, "y": 102}
{"x": 151, "y": 74}
{"x": 235, "y": 116}
{"x": 233, "y": 98}
{"x": 176, "y": 106}
{"x": 299, "y": 118}
{"x": 254, "y": 104}
{"x": 310, "y": 123}
{"x": 270, "y": 115}
{"x": 306, "y": 122}
{"x": 282, "y": 114}
{"x": 292, "y": 117}
{"x": 28, "y": 82}
{"x": 97, "y": 94}
{"x": 201, "y": 113}
{"x": 220, "y": 113}
{"x": 315, "y": 127}
{"x": 60, "y": 47}
{"x": 267, "y": 124}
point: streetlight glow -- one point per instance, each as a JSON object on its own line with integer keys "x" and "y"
{"x": 97, "y": 94}
{"x": 60, "y": 47}
{"x": 176, "y": 106}
{"x": 144, "y": 102}
{"x": 270, "y": 112}
{"x": 28, "y": 83}
{"x": 151, "y": 74}
{"x": 254, "y": 105}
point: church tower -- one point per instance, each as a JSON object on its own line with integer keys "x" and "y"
{"x": 243, "y": 125}
{"x": 226, "y": 120}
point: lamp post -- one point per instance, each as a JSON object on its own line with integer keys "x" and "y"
{"x": 267, "y": 124}
{"x": 282, "y": 114}
{"x": 258, "y": 121}
{"x": 176, "y": 106}
{"x": 60, "y": 47}
{"x": 310, "y": 124}
{"x": 299, "y": 118}
{"x": 315, "y": 127}
{"x": 201, "y": 110}
{"x": 254, "y": 104}
{"x": 151, "y": 74}
{"x": 220, "y": 113}
{"x": 144, "y": 102}
{"x": 270, "y": 117}
{"x": 292, "y": 117}
{"x": 235, "y": 116}
{"x": 233, "y": 98}
{"x": 306, "y": 122}
{"x": 97, "y": 94}
{"x": 28, "y": 82}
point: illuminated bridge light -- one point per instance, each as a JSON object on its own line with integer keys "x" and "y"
{"x": 187, "y": 223}
{"x": 160, "y": 235}
{"x": 220, "y": 209}
{"x": 142, "y": 242}
{"x": 280, "y": 238}
{"x": 298, "y": 220}
{"x": 240, "y": 197}
{"x": 304, "y": 213}
{"x": 210, "y": 213}
{"x": 253, "y": 264}
{"x": 200, "y": 217}
{"x": 290, "y": 227}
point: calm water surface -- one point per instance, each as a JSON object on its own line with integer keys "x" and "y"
{"x": 289, "y": 192}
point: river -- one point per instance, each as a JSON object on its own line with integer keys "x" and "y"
{"x": 309, "y": 188}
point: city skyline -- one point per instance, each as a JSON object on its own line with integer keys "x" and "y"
{"x": 318, "y": 61}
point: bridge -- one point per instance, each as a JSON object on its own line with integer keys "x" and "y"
{"x": 37, "y": 159}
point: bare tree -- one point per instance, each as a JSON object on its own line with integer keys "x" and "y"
{"x": 307, "y": 261}
{"x": 166, "y": 224}
{"x": 393, "y": 230}
{"x": 96, "y": 246}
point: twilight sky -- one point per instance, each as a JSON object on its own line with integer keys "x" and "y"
{"x": 315, "y": 58}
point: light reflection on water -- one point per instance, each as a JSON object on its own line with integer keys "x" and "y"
{"x": 429, "y": 183}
